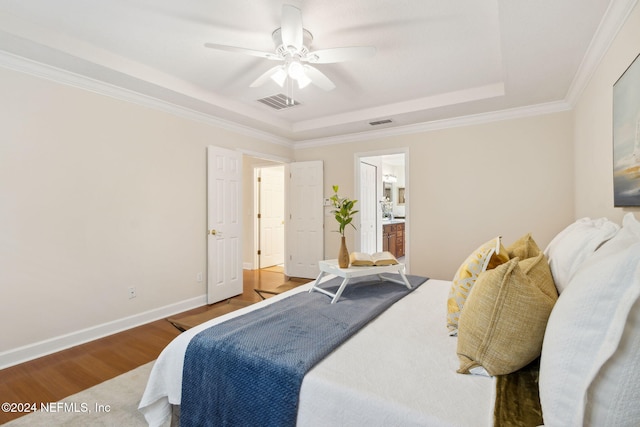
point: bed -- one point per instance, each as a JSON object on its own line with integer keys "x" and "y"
{"x": 403, "y": 368}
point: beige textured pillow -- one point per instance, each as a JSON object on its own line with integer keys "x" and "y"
{"x": 503, "y": 322}
{"x": 484, "y": 258}
{"x": 523, "y": 248}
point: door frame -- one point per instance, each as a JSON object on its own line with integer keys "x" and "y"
{"x": 357, "y": 187}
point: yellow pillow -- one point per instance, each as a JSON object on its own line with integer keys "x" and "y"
{"x": 523, "y": 248}
{"x": 504, "y": 319}
{"x": 488, "y": 256}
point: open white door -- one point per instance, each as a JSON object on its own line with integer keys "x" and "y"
{"x": 224, "y": 221}
{"x": 368, "y": 205}
{"x": 304, "y": 219}
{"x": 271, "y": 216}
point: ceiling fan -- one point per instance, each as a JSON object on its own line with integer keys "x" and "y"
{"x": 292, "y": 43}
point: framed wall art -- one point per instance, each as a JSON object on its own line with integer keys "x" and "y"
{"x": 401, "y": 199}
{"x": 626, "y": 137}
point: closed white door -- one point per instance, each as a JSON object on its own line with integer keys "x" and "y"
{"x": 224, "y": 221}
{"x": 304, "y": 219}
{"x": 368, "y": 207}
{"x": 271, "y": 216}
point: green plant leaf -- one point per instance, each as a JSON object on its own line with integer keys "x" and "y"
{"x": 343, "y": 210}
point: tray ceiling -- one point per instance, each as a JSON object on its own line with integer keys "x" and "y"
{"x": 437, "y": 61}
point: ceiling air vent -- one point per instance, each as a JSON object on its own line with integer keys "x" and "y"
{"x": 279, "y": 102}
{"x": 380, "y": 122}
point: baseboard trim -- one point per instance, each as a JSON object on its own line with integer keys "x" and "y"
{"x": 42, "y": 348}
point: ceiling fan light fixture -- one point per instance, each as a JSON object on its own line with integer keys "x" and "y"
{"x": 279, "y": 77}
{"x": 295, "y": 70}
{"x": 292, "y": 43}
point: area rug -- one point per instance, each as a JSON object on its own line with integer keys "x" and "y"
{"x": 187, "y": 322}
{"x": 292, "y": 283}
{"x": 111, "y": 403}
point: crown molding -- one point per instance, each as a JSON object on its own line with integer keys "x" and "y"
{"x": 617, "y": 13}
{"x": 613, "y": 20}
{"x": 20, "y": 64}
{"x": 24, "y": 65}
{"x": 474, "y": 119}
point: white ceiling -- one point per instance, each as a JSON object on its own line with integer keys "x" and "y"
{"x": 437, "y": 61}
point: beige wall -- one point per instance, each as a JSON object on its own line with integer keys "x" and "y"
{"x": 98, "y": 195}
{"x": 469, "y": 184}
{"x": 593, "y": 127}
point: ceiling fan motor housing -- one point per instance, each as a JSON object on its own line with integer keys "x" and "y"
{"x": 284, "y": 51}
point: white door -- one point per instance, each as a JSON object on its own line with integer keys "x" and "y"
{"x": 224, "y": 221}
{"x": 368, "y": 206}
{"x": 304, "y": 219}
{"x": 271, "y": 211}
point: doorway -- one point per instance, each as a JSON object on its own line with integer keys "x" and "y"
{"x": 297, "y": 216}
{"x": 382, "y": 189}
{"x": 239, "y": 203}
{"x": 269, "y": 215}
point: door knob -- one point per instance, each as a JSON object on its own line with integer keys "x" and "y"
{"x": 213, "y": 232}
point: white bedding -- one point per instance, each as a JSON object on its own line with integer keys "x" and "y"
{"x": 399, "y": 370}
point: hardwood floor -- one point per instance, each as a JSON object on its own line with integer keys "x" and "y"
{"x": 56, "y": 376}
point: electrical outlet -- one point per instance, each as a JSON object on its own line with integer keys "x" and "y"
{"x": 132, "y": 292}
{"x": 199, "y": 277}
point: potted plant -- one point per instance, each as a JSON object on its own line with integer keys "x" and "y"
{"x": 343, "y": 213}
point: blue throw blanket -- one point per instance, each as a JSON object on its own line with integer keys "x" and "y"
{"x": 248, "y": 370}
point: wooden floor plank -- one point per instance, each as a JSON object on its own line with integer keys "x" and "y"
{"x": 56, "y": 376}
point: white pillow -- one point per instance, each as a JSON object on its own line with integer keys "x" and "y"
{"x": 574, "y": 244}
{"x": 614, "y": 394}
{"x": 627, "y": 236}
{"x": 586, "y": 350}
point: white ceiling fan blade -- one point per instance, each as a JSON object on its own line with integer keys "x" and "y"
{"x": 340, "y": 54}
{"x": 291, "y": 26}
{"x": 267, "y": 75}
{"x": 234, "y": 49}
{"x": 318, "y": 78}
